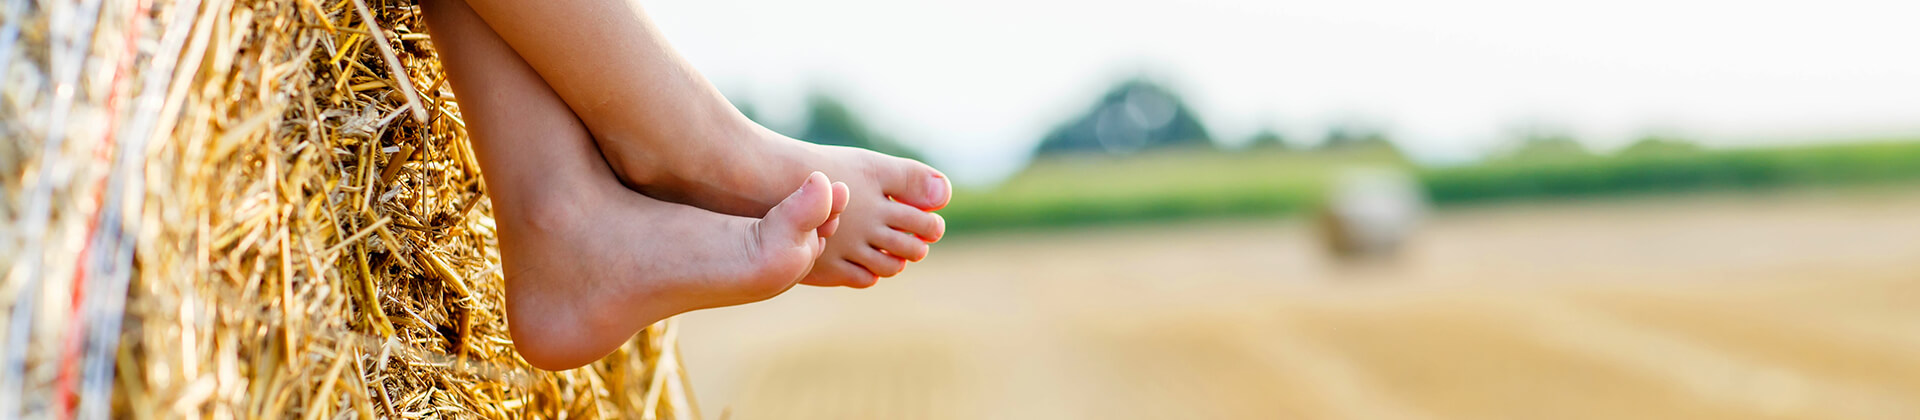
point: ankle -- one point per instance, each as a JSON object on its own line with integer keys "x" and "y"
{"x": 560, "y": 208}
{"x": 764, "y": 166}
{"x": 744, "y": 172}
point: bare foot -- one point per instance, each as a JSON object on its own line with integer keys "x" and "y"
{"x": 887, "y": 223}
{"x": 589, "y": 267}
{"x": 587, "y": 261}
{"x": 892, "y": 223}
{"x": 671, "y": 135}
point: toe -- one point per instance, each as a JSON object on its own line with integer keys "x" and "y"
{"x": 830, "y": 227}
{"x": 919, "y": 185}
{"x": 841, "y": 194}
{"x": 926, "y": 225}
{"x": 838, "y": 272}
{"x": 876, "y": 262}
{"x": 798, "y": 218}
{"x": 900, "y": 244}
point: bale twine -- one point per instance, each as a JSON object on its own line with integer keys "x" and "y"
{"x": 260, "y": 209}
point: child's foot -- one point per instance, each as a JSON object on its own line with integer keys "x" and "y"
{"x": 671, "y": 135}
{"x": 887, "y": 223}
{"x": 587, "y": 269}
{"x": 587, "y": 261}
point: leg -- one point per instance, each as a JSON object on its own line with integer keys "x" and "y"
{"x": 668, "y": 133}
{"x": 589, "y": 262}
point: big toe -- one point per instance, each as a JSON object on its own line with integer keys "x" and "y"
{"x": 797, "y": 219}
{"x": 919, "y": 185}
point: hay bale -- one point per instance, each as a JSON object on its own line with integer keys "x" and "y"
{"x": 1370, "y": 212}
{"x": 260, "y": 208}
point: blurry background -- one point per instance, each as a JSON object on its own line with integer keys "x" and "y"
{"x": 1351, "y": 209}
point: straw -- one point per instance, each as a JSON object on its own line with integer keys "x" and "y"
{"x": 260, "y": 236}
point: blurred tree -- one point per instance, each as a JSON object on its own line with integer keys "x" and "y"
{"x": 1356, "y": 136}
{"x": 1360, "y": 139}
{"x": 1660, "y": 145}
{"x": 1538, "y": 141}
{"x": 1268, "y": 138}
{"x": 830, "y": 121}
{"x": 1135, "y": 115}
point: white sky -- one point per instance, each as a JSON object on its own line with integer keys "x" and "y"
{"x": 977, "y": 83}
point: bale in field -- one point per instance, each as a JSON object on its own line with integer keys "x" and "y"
{"x": 1369, "y": 212}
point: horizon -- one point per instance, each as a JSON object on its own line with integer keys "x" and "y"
{"x": 975, "y": 88}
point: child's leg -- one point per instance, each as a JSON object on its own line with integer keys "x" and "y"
{"x": 589, "y": 262}
{"x": 670, "y": 134}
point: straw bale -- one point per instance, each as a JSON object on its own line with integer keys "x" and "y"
{"x": 260, "y": 209}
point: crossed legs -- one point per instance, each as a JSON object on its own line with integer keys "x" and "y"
{"x": 588, "y": 261}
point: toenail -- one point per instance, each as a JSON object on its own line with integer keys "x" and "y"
{"x": 804, "y": 184}
{"x": 936, "y": 187}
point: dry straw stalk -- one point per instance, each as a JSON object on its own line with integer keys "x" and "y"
{"x": 213, "y": 209}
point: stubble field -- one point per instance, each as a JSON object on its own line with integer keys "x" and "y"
{"x": 1783, "y": 305}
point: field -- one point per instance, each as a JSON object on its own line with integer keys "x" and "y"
{"x": 1205, "y": 184}
{"x": 1783, "y": 304}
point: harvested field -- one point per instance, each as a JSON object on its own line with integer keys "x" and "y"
{"x": 1785, "y": 305}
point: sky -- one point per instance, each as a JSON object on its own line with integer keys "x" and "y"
{"x": 976, "y": 84}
